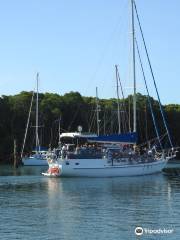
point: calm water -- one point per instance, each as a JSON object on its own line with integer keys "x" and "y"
{"x": 36, "y": 207}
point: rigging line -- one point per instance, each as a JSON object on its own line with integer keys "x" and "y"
{"x": 111, "y": 122}
{"x": 108, "y": 44}
{"x": 74, "y": 116}
{"x": 97, "y": 111}
{"x": 124, "y": 105}
{"x": 120, "y": 113}
{"x": 134, "y": 71}
{"x": 118, "y": 105}
{"x": 91, "y": 118}
{"x": 146, "y": 121}
{"x": 103, "y": 128}
{"x": 160, "y": 105}
{"x": 151, "y": 140}
{"x": 92, "y": 121}
{"x": 91, "y": 124}
{"x": 149, "y": 101}
{"x": 37, "y": 115}
{"x": 27, "y": 126}
{"x": 64, "y": 130}
{"x": 108, "y": 122}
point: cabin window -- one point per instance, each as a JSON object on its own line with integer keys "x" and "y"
{"x": 77, "y": 163}
{"x": 67, "y": 163}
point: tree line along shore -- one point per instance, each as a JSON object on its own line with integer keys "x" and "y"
{"x": 75, "y": 110}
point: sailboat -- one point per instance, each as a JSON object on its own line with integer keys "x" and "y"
{"x": 117, "y": 155}
{"x": 38, "y": 155}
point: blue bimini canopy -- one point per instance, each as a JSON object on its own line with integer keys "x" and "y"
{"x": 126, "y": 138}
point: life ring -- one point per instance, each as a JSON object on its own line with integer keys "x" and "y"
{"x": 54, "y": 170}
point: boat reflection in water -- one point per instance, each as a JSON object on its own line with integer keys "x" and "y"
{"x": 122, "y": 202}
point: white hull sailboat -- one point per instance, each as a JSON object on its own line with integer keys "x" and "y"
{"x": 118, "y": 155}
{"x": 38, "y": 156}
{"x": 101, "y": 168}
{"x": 35, "y": 160}
{"x": 109, "y": 161}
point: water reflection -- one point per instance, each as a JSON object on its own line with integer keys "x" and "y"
{"x": 117, "y": 204}
{"x": 75, "y": 208}
{"x": 7, "y": 170}
{"x": 53, "y": 185}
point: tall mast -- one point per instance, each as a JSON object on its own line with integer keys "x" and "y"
{"x": 134, "y": 67}
{"x": 59, "y": 132}
{"x": 97, "y": 111}
{"x": 117, "y": 91}
{"x": 37, "y": 113}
